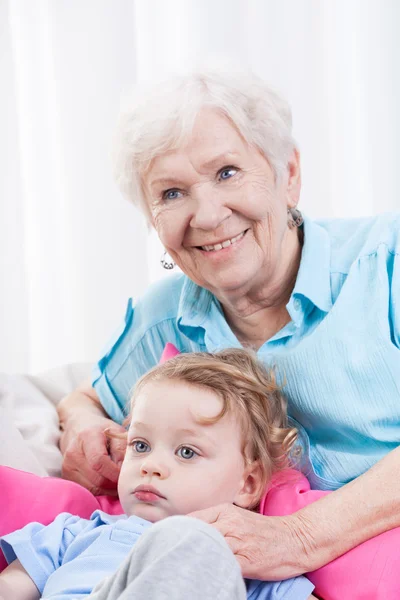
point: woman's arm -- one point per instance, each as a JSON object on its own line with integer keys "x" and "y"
{"x": 15, "y": 584}
{"x": 77, "y": 411}
{"x": 90, "y": 457}
{"x": 358, "y": 511}
{"x": 281, "y": 547}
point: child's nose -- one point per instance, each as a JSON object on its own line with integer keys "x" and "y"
{"x": 152, "y": 468}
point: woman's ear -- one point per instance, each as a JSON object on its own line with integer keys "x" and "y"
{"x": 251, "y": 487}
{"x": 294, "y": 179}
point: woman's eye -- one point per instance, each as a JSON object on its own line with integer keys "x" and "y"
{"x": 227, "y": 172}
{"x": 171, "y": 194}
{"x": 140, "y": 447}
{"x": 186, "y": 452}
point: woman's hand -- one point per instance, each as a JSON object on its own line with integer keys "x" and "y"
{"x": 93, "y": 458}
{"x": 281, "y": 547}
{"x": 267, "y": 548}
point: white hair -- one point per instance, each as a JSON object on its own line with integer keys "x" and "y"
{"x": 161, "y": 117}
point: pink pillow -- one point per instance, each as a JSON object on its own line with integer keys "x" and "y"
{"x": 368, "y": 572}
{"x": 26, "y": 497}
{"x": 169, "y": 352}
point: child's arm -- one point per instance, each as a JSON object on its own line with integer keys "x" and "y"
{"x": 15, "y": 584}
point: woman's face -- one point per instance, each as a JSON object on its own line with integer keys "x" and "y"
{"x": 218, "y": 210}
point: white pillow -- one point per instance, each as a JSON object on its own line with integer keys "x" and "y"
{"x": 29, "y": 429}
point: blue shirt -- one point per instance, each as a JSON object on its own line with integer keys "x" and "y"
{"x": 339, "y": 354}
{"x": 69, "y": 557}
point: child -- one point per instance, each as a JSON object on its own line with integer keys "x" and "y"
{"x": 205, "y": 429}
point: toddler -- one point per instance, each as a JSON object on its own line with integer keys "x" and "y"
{"x": 204, "y": 429}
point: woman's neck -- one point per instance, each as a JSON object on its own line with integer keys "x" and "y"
{"x": 260, "y": 312}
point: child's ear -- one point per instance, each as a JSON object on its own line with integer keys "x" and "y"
{"x": 251, "y": 487}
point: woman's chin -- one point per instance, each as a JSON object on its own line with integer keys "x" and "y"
{"x": 231, "y": 281}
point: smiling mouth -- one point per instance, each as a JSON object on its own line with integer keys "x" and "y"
{"x": 223, "y": 244}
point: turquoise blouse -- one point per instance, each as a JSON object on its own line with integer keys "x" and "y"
{"x": 339, "y": 354}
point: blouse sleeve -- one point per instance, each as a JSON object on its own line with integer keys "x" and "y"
{"x": 394, "y": 308}
{"x": 135, "y": 348}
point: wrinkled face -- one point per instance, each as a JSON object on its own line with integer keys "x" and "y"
{"x": 217, "y": 208}
{"x": 173, "y": 464}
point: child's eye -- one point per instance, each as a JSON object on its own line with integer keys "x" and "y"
{"x": 139, "y": 446}
{"x": 186, "y": 452}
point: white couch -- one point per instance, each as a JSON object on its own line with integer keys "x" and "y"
{"x": 29, "y": 431}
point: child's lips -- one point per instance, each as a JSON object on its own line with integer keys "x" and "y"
{"x": 148, "y": 493}
{"x": 149, "y": 497}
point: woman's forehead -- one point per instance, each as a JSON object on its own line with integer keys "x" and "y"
{"x": 213, "y": 140}
{"x": 173, "y": 167}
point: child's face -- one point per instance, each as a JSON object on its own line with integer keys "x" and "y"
{"x": 174, "y": 465}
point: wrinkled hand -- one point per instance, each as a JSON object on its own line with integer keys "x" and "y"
{"x": 93, "y": 459}
{"x": 267, "y": 548}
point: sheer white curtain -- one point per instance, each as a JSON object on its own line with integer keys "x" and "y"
{"x": 71, "y": 250}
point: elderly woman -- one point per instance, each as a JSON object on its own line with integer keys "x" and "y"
{"x": 211, "y": 161}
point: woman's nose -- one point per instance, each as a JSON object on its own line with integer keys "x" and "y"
{"x": 152, "y": 468}
{"x": 209, "y": 213}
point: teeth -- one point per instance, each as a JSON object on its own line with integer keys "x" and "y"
{"x": 224, "y": 244}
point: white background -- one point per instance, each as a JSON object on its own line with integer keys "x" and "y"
{"x": 71, "y": 249}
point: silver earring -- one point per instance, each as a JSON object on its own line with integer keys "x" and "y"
{"x": 166, "y": 261}
{"x": 295, "y": 218}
